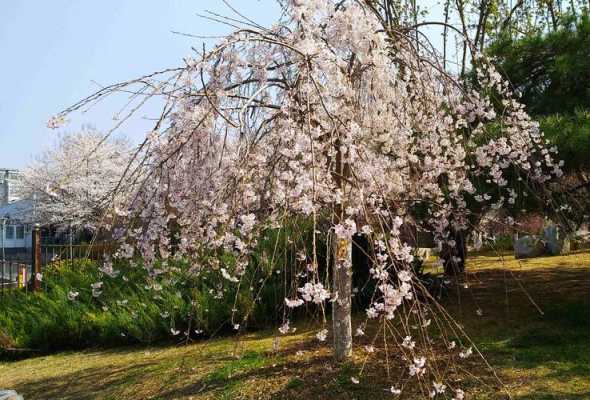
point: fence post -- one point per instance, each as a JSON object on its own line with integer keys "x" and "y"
{"x": 36, "y": 256}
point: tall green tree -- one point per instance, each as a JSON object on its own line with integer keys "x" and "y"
{"x": 550, "y": 70}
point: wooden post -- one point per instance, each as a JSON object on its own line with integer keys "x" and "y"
{"x": 36, "y": 257}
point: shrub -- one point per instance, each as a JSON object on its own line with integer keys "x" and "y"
{"x": 133, "y": 308}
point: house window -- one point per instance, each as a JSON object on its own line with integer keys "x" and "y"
{"x": 20, "y": 232}
{"x": 9, "y": 232}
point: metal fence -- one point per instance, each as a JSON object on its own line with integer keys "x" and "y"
{"x": 57, "y": 252}
{"x": 14, "y": 275}
{"x": 26, "y": 270}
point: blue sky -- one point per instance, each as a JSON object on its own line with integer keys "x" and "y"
{"x": 53, "y": 52}
{"x": 56, "y": 52}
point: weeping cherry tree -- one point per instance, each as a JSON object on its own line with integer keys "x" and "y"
{"x": 339, "y": 117}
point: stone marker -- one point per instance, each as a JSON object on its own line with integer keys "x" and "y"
{"x": 556, "y": 242}
{"x": 10, "y": 395}
{"x": 528, "y": 246}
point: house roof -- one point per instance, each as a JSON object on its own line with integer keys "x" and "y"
{"x": 18, "y": 211}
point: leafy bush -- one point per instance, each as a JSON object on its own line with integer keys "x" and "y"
{"x": 49, "y": 320}
{"x": 500, "y": 243}
{"x": 133, "y": 308}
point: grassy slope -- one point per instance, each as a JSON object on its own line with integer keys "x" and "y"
{"x": 537, "y": 356}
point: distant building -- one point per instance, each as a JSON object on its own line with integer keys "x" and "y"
{"x": 15, "y": 213}
{"x": 9, "y": 186}
{"x": 16, "y": 225}
{"x": 17, "y": 217}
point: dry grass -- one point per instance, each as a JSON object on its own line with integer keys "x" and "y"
{"x": 537, "y": 356}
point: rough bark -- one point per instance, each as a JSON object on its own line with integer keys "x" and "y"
{"x": 455, "y": 256}
{"x": 342, "y": 271}
{"x": 341, "y": 308}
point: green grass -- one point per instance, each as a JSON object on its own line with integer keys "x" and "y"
{"x": 223, "y": 376}
{"x": 539, "y": 350}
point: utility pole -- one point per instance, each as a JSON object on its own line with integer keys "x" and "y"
{"x": 71, "y": 242}
{"x": 36, "y": 257}
{"x": 3, "y": 262}
{"x": 3, "y": 234}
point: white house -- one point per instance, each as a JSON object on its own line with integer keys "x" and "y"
{"x": 9, "y": 186}
{"x": 15, "y": 214}
{"x": 16, "y": 225}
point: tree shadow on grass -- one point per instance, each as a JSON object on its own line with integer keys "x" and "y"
{"x": 90, "y": 383}
{"x": 554, "y": 395}
{"x": 319, "y": 378}
{"x": 126, "y": 373}
{"x": 514, "y": 334}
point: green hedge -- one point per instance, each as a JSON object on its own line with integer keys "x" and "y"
{"x": 127, "y": 311}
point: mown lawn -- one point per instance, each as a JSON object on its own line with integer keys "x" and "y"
{"x": 531, "y": 319}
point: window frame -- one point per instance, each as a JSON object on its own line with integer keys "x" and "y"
{"x": 19, "y": 232}
{"x": 9, "y": 232}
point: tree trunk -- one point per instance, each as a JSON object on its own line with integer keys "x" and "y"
{"x": 455, "y": 256}
{"x": 341, "y": 308}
